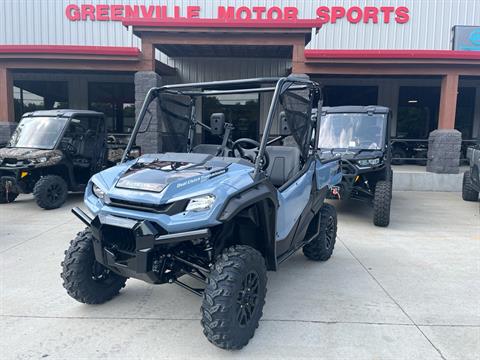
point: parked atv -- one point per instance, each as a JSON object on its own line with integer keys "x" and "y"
{"x": 51, "y": 153}
{"x": 220, "y": 214}
{"x": 471, "y": 177}
{"x": 361, "y": 136}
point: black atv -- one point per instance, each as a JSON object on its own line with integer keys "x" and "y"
{"x": 51, "y": 153}
{"x": 361, "y": 136}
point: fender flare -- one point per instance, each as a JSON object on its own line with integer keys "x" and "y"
{"x": 263, "y": 194}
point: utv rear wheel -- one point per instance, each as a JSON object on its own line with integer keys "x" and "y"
{"x": 50, "y": 192}
{"x": 85, "y": 279}
{"x": 381, "y": 203}
{"x": 398, "y": 155}
{"x": 234, "y": 297}
{"x": 468, "y": 192}
{"x": 7, "y": 195}
{"x": 321, "y": 248}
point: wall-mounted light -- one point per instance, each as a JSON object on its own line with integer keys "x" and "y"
{"x": 413, "y": 101}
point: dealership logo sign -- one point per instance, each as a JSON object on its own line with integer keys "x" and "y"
{"x": 466, "y": 38}
{"x": 324, "y": 14}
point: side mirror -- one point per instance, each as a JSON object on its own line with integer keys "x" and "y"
{"x": 217, "y": 123}
{"x": 135, "y": 152}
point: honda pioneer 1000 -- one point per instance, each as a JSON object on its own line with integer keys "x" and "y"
{"x": 361, "y": 136}
{"x": 222, "y": 214}
{"x": 51, "y": 153}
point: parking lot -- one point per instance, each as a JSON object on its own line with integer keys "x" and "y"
{"x": 409, "y": 291}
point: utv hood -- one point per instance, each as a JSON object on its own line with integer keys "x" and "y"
{"x": 20, "y": 157}
{"x": 26, "y": 153}
{"x": 154, "y": 173}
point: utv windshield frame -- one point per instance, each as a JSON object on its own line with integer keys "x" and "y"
{"x": 59, "y": 134}
{"x": 257, "y": 85}
{"x": 359, "y": 110}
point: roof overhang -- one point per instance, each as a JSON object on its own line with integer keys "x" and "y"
{"x": 69, "y": 57}
{"x": 223, "y": 38}
{"x": 391, "y": 62}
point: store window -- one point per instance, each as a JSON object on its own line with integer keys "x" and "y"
{"x": 39, "y": 95}
{"x": 418, "y": 108}
{"x": 242, "y": 110}
{"x": 465, "y": 112}
{"x": 350, "y": 95}
{"x": 116, "y": 101}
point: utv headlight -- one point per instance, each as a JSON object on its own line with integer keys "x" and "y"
{"x": 200, "y": 203}
{"x": 98, "y": 192}
{"x": 40, "y": 161}
{"x": 369, "y": 162}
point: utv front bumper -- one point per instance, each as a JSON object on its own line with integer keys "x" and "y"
{"x": 135, "y": 248}
{"x": 17, "y": 178}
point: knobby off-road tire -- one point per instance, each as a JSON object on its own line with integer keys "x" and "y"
{"x": 50, "y": 192}
{"x": 85, "y": 279}
{"x": 381, "y": 203}
{"x": 6, "y": 197}
{"x": 468, "y": 192}
{"x": 234, "y": 297}
{"x": 321, "y": 248}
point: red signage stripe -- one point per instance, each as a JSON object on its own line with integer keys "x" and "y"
{"x": 392, "y": 54}
{"x": 224, "y": 23}
{"x": 69, "y": 49}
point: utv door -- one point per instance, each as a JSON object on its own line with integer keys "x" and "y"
{"x": 293, "y": 199}
{"x": 86, "y": 133}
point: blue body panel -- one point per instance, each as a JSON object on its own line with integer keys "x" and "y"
{"x": 327, "y": 174}
{"x": 292, "y": 202}
{"x": 234, "y": 177}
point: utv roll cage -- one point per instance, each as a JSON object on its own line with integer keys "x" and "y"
{"x": 255, "y": 85}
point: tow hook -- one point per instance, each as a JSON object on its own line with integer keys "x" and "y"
{"x": 8, "y": 187}
{"x": 336, "y": 191}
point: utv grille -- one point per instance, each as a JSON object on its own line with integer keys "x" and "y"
{"x": 169, "y": 209}
{"x": 116, "y": 238}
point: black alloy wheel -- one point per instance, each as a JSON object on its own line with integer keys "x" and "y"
{"x": 321, "y": 247}
{"x": 247, "y": 299}
{"x": 50, "y": 192}
{"x": 234, "y": 297}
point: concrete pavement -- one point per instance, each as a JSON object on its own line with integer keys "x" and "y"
{"x": 410, "y": 291}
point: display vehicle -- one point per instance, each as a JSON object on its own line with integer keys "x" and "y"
{"x": 52, "y": 153}
{"x": 360, "y": 135}
{"x": 212, "y": 218}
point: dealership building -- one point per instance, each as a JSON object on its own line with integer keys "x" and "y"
{"x": 421, "y": 58}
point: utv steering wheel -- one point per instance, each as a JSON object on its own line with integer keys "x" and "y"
{"x": 69, "y": 148}
{"x": 252, "y": 145}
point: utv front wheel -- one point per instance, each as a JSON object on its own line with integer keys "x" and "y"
{"x": 50, "y": 192}
{"x": 381, "y": 203}
{"x": 234, "y": 297}
{"x": 7, "y": 192}
{"x": 321, "y": 248}
{"x": 85, "y": 279}
{"x": 468, "y": 192}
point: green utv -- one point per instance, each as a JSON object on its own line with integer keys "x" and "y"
{"x": 53, "y": 152}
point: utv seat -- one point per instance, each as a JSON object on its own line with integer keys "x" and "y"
{"x": 284, "y": 164}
